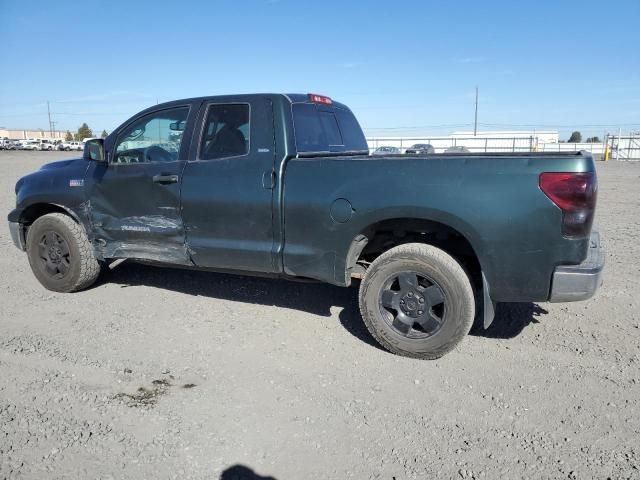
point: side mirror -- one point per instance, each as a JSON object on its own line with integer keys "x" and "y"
{"x": 94, "y": 150}
{"x": 178, "y": 126}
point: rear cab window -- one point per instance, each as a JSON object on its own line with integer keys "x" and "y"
{"x": 327, "y": 128}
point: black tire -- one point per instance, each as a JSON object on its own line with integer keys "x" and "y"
{"x": 417, "y": 301}
{"x": 60, "y": 254}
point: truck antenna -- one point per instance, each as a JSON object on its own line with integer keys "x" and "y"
{"x": 475, "y": 121}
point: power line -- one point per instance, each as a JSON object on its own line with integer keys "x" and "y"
{"x": 87, "y": 114}
{"x": 554, "y": 125}
{"x": 506, "y": 125}
{"x": 449, "y": 125}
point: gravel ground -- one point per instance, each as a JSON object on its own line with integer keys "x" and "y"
{"x": 162, "y": 373}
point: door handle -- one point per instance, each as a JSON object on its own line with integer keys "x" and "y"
{"x": 165, "y": 178}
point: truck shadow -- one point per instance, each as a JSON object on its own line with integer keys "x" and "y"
{"x": 241, "y": 472}
{"x": 510, "y": 320}
{"x": 310, "y": 297}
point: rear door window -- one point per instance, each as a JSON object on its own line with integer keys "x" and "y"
{"x": 226, "y": 131}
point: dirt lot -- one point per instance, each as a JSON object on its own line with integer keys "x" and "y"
{"x": 160, "y": 373}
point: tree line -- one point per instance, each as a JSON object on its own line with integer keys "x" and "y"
{"x": 576, "y": 137}
{"x": 83, "y": 132}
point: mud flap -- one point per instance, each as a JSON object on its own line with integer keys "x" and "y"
{"x": 489, "y": 306}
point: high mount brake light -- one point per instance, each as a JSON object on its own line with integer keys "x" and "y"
{"x": 575, "y": 194}
{"x": 315, "y": 98}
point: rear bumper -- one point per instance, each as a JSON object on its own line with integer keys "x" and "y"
{"x": 17, "y": 235}
{"x": 572, "y": 283}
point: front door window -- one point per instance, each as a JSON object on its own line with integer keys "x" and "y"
{"x": 156, "y": 137}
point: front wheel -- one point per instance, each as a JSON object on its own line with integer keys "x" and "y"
{"x": 417, "y": 301}
{"x": 60, "y": 254}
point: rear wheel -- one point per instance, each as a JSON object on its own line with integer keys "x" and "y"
{"x": 417, "y": 301}
{"x": 60, "y": 254}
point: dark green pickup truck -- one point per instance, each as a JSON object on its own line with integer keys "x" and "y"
{"x": 284, "y": 185}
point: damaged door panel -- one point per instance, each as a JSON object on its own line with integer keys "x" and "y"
{"x": 134, "y": 217}
{"x": 134, "y": 199}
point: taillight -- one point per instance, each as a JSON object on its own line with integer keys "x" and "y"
{"x": 575, "y": 194}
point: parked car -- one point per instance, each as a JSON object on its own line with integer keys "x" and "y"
{"x": 9, "y": 144}
{"x": 47, "y": 145}
{"x": 386, "y": 151}
{"x": 420, "y": 149}
{"x": 30, "y": 145}
{"x": 429, "y": 241}
{"x": 73, "y": 146}
{"x": 457, "y": 149}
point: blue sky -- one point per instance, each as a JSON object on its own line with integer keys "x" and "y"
{"x": 404, "y": 67}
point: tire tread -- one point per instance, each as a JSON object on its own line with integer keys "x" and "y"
{"x": 425, "y": 253}
{"x": 89, "y": 265}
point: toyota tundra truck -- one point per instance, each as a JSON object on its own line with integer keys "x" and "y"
{"x": 283, "y": 185}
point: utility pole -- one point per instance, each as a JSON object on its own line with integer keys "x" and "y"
{"x": 475, "y": 121}
{"x": 49, "y": 113}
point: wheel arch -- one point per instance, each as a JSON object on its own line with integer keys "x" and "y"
{"x": 30, "y": 214}
{"x": 398, "y": 229}
{"x": 454, "y": 237}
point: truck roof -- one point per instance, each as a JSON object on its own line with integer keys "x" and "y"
{"x": 289, "y": 97}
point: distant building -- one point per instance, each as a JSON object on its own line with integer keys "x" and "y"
{"x": 542, "y": 136}
{"x": 27, "y": 134}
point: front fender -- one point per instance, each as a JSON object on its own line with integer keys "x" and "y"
{"x": 55, "y": 187}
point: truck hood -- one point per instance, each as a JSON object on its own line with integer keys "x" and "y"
{"x": 62, "y": 164}
{"x": 52, "y": 178}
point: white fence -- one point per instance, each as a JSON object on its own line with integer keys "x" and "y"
{"x": 593, "y": 148}
{"x": 473, "y": 144}
{"x": 485, "y": 144}
{"x": 623, "y": 147}
{"x": 618, "y": 148}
